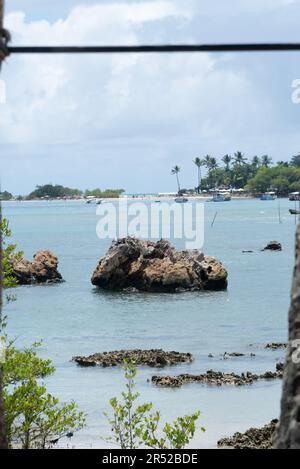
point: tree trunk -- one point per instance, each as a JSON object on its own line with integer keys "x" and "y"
{"x": 288, "y": 436}
{"x": 178, "y": 183}
{"x": 3, "y": 437}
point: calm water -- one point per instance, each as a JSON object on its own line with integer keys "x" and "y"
{"x": 74, "y": 318}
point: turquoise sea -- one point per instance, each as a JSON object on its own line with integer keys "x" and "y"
{"x": 74, "y": 318}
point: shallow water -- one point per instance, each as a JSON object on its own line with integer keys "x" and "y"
{"x": 74, "y": 318}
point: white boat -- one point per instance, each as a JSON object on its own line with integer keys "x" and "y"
{"x": 294, "y": 196}
{"x": 222, "y": 197}
{"x": 268, "y": 196}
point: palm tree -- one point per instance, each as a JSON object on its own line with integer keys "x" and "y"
{"x": 206, "y": 161}
{"x": 266, "y": 161}
{"x": 176, "y": 171}
{"x": 198, "y": 162}
{"x": 255, "y": 162}
{"x": 226, "y": 160}
{"x": 239, "y": 158}
{"x": 213, "y": 164}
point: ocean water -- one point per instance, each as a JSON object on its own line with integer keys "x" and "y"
{"x": 74, "y": 318}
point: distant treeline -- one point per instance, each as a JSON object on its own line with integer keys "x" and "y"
{"x": 5, "y": 195}
{"x": 255, "y": 175}
{"x": 50, "y": 191}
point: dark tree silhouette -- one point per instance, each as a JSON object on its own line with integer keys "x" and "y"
{"x": 288, "y": 436}
{"x": 3, "y": 439}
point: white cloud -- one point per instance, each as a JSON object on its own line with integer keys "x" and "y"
{"x": 166, "y": 106}
{"x": 73, "y": 98}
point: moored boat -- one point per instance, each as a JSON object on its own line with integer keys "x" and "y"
{"x": 294, "y": 196}
{"x": 268, "y": 196}
{"x": 294, "y": 212}
{"x": 181, "y": 200}
{"x": 221, "y": 197}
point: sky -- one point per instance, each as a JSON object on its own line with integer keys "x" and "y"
{"x": 123, "y": 121}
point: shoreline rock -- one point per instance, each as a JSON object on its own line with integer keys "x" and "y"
{"x": 254, "y": 438}
{"x": 157, "y": 267}
{"x": 275, "y": 346}
{"x": 216, "y": 378}
{"x": 154, "y": 358}
{"x": 273, "y": 246}
{"x": 42, "y": 270}
{"x": 227, "y": 355}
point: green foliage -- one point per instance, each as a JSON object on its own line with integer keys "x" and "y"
{"x": 9, "y": 251}
{"x": 281, "y": 178}
{"x": 51, "y": 191}
{"x": 5, "y": 195}
{"x": 24, "y": 365}
{"x": 108, "y": 193}
{"x": 34, "y": 418}
{"x": 257, "y": 175}
{"x": 296, "y": 161}
{"x": 174, "y": 436}
{"x": 133, "y": 425}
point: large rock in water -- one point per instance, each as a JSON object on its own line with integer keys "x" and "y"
{"x": 43, "y": 269}
{"x": 157, "y": 267}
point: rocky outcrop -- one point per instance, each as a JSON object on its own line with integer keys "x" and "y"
{"x": 154, "y": 358}
{"x": 227, "y": 355}
{"x": 273, "y": 246}
{"x": 288, "y": 436}
{"x": 276, "y": 346}
{"x": 157, "y": 267}
{"x": 216, "y": 378}
{"x": 43, "y": 269}
{"x": 254, "y": 438}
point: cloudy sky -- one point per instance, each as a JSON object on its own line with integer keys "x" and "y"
{"x": 124, "y": 121}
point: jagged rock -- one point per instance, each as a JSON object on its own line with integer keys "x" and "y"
{"x": 216, "y": 378}
{"x": 157, "y": 267}
{"x": 227, "y": 355}
{"x": 254, "y": 438}
{"x": 154, "y": 358}
{"x": 279, "y": 366}
{"x": 233, "y": 354}
{"x": 273, "y": 246}
{"x": 275, "y": 346}
{"x": 43, "y": 269}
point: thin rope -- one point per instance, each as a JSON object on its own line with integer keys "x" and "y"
{"x": 176, "y": 48}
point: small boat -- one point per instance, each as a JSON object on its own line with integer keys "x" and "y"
{"x": 221, "y": 197}
{"x": 294, "y": 212}
{"x": 181, "y": 200}
{"x": 268, "y": 196}
{"x": 293, "y": 196}
{"x": 99, "y": 202}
